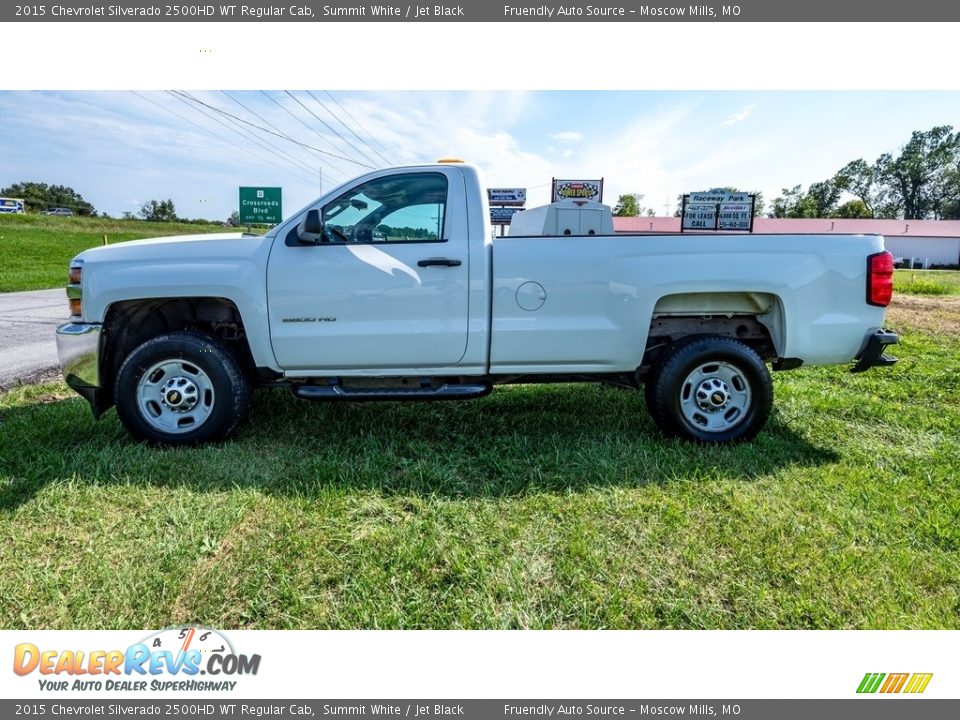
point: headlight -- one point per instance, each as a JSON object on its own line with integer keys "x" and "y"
{"x": 75, "y": 290}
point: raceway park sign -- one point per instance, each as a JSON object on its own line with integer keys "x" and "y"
{"x": 717, "y": 210}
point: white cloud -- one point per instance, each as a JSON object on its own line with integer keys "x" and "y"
{"x": 566, "y": 136}
{"x": 739, "y": 116}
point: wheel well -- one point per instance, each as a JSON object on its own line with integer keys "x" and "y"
{"x": 753, "y": 318}
{"x": 130, "y": 323}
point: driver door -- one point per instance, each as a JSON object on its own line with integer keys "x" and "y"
{"x": 384, "y": 289}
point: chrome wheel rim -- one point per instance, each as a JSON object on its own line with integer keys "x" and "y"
{"x": 175, "y": 396}
{"x": 715, "y": 397}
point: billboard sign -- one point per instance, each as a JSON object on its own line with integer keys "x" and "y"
{"x": 503, "y": 215}
{"x": 260, "y": 205}
{"x": 700, "y": 216}
{"x": 507, "y": 196}
{"x": 577, "y": 190}
{"x": 735, "y": 216}
{"x": 717, "y": 210}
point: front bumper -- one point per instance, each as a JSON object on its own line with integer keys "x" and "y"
{"x": 872, "y": 354}
{"x": 78, "y": 345}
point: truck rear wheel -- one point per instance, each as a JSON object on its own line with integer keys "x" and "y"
{"x": 710, "y": 390}
{"x": 181, "y": 388}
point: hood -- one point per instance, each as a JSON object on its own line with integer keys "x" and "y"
{"x": 210, "y": 245}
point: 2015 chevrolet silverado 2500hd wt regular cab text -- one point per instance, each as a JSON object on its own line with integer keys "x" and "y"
{"x": 391, "y": 287}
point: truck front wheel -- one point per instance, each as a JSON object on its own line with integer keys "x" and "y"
{"x": 710, "y": 390}
{"x": 181, "y": 388}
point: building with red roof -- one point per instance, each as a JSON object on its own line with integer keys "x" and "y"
{"x": 926, "y": 242}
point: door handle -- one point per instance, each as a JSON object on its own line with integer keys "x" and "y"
{"x": 439, "y": 261}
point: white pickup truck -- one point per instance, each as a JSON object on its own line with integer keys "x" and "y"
{"x": 392, "y": 287}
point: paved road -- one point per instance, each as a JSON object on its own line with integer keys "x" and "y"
{"x": 28, "y": 349}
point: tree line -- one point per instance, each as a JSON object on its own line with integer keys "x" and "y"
{"x": 41, "y": 196}
{"x": 920, "y": 181}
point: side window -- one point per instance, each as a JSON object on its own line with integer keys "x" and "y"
{"x": 397, "y": 208}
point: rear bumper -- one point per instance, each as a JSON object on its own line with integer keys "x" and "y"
{"x": 872, "y": 354}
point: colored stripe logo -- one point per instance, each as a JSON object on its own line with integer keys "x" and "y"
{"x": 913, "y": 683}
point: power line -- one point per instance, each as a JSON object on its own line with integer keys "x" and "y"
{"x": 280, "y": 135}
{"x": 270, "y": 124}
{"x": 363, "y": 127}
{"x": 352, "y": 131}
{"x": 185, "y": 97}
{"x": 299, "y": 120}
{"x": 215, "y": 134}
{"x": 329, "y": 126}
{"x": 277, "y": 148}
{"x": 246, "y": 134}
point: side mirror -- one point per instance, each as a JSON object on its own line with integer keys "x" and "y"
{"x": 310, "y": 228}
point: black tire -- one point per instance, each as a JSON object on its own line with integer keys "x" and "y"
{"x": 685, "y": 392}
{"x": 209, "y": 374}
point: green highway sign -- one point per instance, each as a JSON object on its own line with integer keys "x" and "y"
{"x": 260, "y": 205}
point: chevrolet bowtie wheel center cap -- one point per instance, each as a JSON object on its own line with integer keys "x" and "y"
{"x": 179, "y": 394}
{"x": 713, "y": 394}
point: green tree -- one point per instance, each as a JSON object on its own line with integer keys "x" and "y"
{"x": 822, "y": 198}
{"x": 856, "y": 208}
{"x": 789, "y": 204}
{"x": 817, "y": 201}
{"x": 162, "y": 211}
{"x": 950, "y": 206}
{"x": 864, "y": 182}
{"x": 628, "y": 205}
{"x": 234, "y": 219}
{"x": 40, "y": 196}
{"x": 918, "y": 179}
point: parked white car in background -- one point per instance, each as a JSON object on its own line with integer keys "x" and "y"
{"x": 392, "y": 288}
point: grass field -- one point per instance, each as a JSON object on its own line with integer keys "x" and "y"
{"x": 927, "y": 282}
{"x": 537, "y": 507}
{"x": 37, "y": 248}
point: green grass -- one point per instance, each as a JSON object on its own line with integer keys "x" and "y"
{"x": 36, "y": 249}
{"x": 539, "y": 507}
{"x": 927, "y": 282}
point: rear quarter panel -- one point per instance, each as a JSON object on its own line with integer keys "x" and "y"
{"x": 601, "y": 292}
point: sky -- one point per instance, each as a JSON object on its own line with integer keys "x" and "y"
{"x": 120, "y": 149}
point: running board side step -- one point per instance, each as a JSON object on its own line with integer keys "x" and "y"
{"x": 440, "y": 392}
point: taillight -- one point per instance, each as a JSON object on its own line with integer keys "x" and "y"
{"x": 880, "y": 279}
